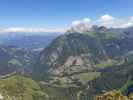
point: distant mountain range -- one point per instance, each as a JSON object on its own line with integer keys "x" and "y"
{"x": 14, "y": 59}
{"x": 76, "y": 65}
{"x": 27, "y": 40}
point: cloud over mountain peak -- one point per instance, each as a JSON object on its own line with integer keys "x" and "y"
{"x": 84, "y": 24}
{"x": 106, "y": 20}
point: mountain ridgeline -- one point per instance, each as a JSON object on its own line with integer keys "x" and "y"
{"x": 89, "y": 51}
{"x": 74, "y": 66}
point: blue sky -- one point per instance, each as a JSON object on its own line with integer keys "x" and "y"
{"x": 59, "y": 13}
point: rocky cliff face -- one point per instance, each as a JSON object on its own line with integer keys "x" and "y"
{"x": 71, "y": 53}
{"x": 78, "y": 52}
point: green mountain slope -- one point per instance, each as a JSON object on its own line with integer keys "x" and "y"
{"x": 117, "y": 77}
{"x": 80, "y": 52}
{"x": 70, "y": 54}
{"x": 20, "y": 88}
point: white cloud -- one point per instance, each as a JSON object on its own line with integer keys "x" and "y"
{"x": 113, "y": 22}
{"x": 83, "y": 21}
{"x": 76, "y": 22}
{"x": 84, "y": 24}
{"x": 131, "y": 18}
{"x": 30, "y": 30}
{"x": 106, "y": 20}
{"x": 128, "y": 24}
{"x": 81, "y": 25}
{"x": 86, "y": 20}
{"x": 123, "y": 23}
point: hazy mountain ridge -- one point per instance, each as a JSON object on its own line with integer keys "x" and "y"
{"x": 27, "y": 40}
{"x": 14, "y": 59}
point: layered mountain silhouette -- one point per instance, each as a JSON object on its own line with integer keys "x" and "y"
{"x": 78, "y": 52}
